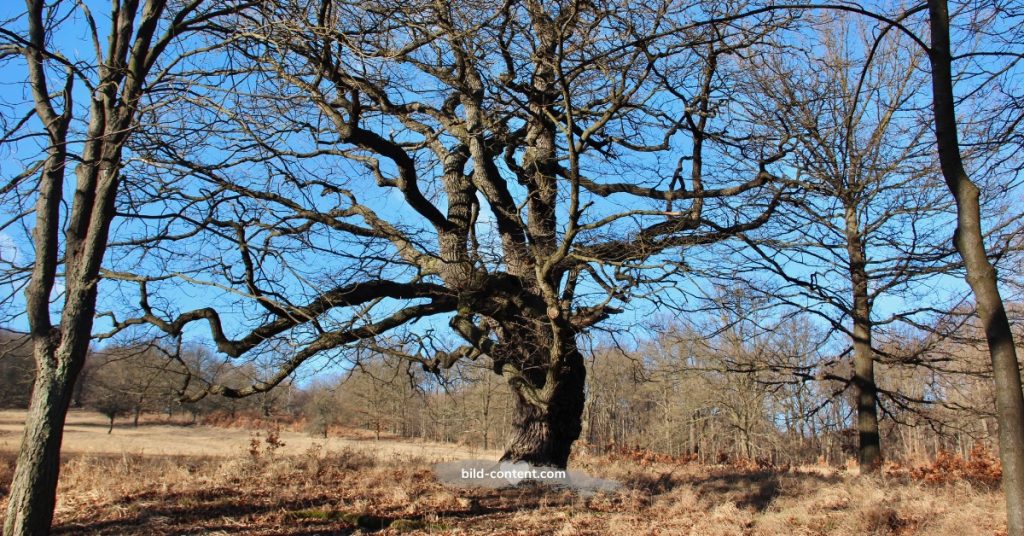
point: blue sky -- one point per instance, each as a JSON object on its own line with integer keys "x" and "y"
{"x": 15, "y": 246}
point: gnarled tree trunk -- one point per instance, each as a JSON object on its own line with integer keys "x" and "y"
{"x": 34, "y": 487}
{"x": 30, "y": 509}
{"x": 544, "y": 430}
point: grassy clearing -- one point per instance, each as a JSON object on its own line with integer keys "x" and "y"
{"x": 86, "y": 433}
{"x": 388, "y": 488}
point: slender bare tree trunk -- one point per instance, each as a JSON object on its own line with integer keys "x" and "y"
{"x": 869, "y": 449}
{"x": 981, "y": 275}
{"x": 60, "y": 352}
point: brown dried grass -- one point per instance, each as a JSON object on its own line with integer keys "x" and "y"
{"x": 311, "y": 487}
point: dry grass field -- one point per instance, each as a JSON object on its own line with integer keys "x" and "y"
{"x": 176, "y": 479}
{"x": 86, "y": 433}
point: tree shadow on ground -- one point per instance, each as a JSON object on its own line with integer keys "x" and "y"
{"x": 221, "y": 510}
{"x": 226, "y": 510}
{"x": 756, "y": 490}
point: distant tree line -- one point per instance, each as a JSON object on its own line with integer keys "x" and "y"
{"x": 131, "y": 380}
{"x": 752, "y": 390}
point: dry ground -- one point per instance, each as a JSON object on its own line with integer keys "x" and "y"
{"x": 167, "y": 479}
{"x": 86, "y": 433}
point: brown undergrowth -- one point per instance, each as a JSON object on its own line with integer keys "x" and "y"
{"x": 354, "y": 491}
{"x": 981, "y": 467}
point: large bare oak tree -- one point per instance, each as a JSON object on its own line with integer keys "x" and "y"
{"x": 403, "y": 176}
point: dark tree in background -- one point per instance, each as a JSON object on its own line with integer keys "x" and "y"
{"x": 110, "y": 390}
{"x": 867, "y": 222}
{"x": 17, "y": 370}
